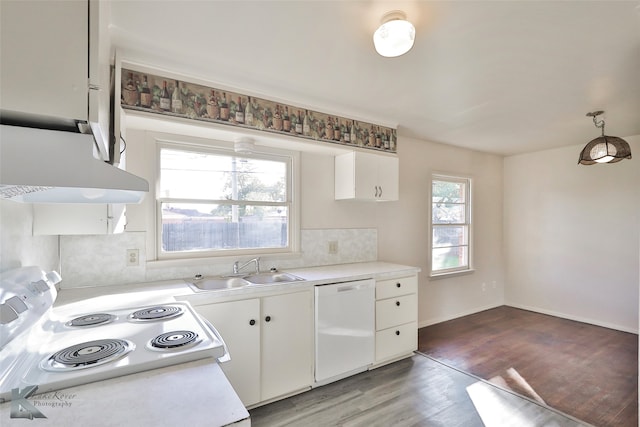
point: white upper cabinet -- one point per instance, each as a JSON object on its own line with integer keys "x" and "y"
{"x": 366, "y": 176}
{"x": 45, "y": 49}
{"x": 45, "y": 58}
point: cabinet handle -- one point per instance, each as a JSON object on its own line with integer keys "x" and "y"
{"x": 397, "y": 332}
{"x": 398, "y": 285}
{"x": 267, "y": 319}
{"x": 376, "y": 192}
{"x": 398, "y": 303}
{"x": 380, "y": 195}
{"x": 252, "y": 322}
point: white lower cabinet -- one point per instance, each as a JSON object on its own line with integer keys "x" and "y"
{"x": 270, "y": 340}
{"x": 239, "y": 324}
{"x": 287, "y": 343}
{"x": 396, "y": 318}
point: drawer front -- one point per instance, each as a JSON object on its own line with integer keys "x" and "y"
{"x": 396, "y": 341}
{"x": 396, "y": 287}
{"x": 396, "y": 311}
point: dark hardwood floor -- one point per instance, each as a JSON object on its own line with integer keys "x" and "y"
{"x": 586, "y": 371}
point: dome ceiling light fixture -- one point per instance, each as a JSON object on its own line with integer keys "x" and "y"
{"x": 395, "y": 35}
{"x": 604, "y": 149}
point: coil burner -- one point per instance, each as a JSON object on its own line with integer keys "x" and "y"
{"x": 87, "y": 355}
{"x": 174, "y": 340}
{"x": 160, "y": 312}
{"x": 93, "y": 319}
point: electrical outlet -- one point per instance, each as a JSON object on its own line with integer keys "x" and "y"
{"x": 484, "y": 287}
{"x": 133, "y": 256}
{"x": 493, "y": 284}
{"x": 333, "y": 247}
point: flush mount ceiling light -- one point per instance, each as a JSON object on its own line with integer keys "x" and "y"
{"x": 395, "y": 36}
{"x": 604, "y": 149}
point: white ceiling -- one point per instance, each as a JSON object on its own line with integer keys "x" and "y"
{"x": 504, "y": 77}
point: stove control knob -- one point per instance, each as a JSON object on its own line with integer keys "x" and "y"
{"x": 7, "y": 314}
{"x": 17, "y": 304}
{"x": 38, "y": 288}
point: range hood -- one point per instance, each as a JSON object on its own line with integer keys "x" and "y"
{"x": 54, "y": 166}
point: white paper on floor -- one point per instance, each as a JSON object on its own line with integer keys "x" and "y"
{"x": 499, "y": 408}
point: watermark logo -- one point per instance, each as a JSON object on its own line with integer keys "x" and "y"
{"x": 21, "y": 407}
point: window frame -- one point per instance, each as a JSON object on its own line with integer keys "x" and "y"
{"x": 291, "y": 159}
{"x": 468, "y": 223}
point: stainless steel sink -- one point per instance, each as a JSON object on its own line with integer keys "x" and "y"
{"x": 231, "y": 282}
{"x": 275, "y": 277}
{"x": 217, "y": 283}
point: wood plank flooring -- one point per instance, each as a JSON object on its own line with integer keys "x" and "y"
{"x": 583, "y": 370}
{"x": 412, "y": 392}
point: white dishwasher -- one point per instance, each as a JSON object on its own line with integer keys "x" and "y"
{"x": 345, "y": 329}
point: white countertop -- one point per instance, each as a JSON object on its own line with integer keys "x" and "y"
{"x": 166, "y": 291}
{"x": 191, "y": 394}
{"x": 195, "y": 393}
{"x": 347, "y": 272}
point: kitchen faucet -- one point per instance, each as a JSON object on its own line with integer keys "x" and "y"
{"x": 236, "y": 268}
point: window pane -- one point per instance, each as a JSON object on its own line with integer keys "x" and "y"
{"x": 448, "y": 192}
{"x": 445, "y": 236}
{"x": 449, "y": 258}
{"x": 447, "y": 213}
{"x": 198, "y": 175}
{"x": 200, "y": 227}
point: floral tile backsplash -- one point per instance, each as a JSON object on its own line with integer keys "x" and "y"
{"x": 101, "y": 260}
{"x": 162, "y": 95}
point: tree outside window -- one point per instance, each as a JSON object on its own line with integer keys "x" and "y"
{"x": 450, "y": 224}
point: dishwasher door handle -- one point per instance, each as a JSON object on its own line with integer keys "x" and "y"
{"x": 349, "y": 288}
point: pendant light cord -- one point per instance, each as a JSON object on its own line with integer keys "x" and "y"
{"x": 598, "y": 123}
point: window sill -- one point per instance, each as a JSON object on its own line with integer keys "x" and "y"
{"x": 447, "y": 275}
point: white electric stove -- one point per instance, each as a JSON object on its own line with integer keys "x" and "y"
{"x": 53, "y": 349}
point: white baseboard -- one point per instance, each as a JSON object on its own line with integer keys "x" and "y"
{"x": 576, "y": 318}
{"x": 435, "y": 320}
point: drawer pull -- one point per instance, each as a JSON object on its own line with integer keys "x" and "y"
{"x": 398, "y": 303}
{"x": 252, "y": 322}
{"x": 398, "y": 284}
{"x": 267, "y": 319}
{"x": 397, "y": 332}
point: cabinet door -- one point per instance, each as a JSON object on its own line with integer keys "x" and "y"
{"x": 396, "y": 341}
{"x": 396, "y": 311}
{"x": 234, "y": 322}
{"x": 396, "y": 287}
{"x": 367, "y": 187}
{"x": 287, "y": 343}
{"x": 388, "y": 177}
{"x": 366, "y": 176}
{"x": 44, "y": 57}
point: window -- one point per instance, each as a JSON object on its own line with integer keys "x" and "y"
{"x": 450, "y": 224}
{"x": 217, "y": 202}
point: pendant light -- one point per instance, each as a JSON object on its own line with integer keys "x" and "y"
{"x": 604, "y": 149}
{"x": 395, "y": 35}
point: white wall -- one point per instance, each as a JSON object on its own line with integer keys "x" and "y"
{"x": 403, "y": 228}
{"x": 550, "y": 263}
{"x": 390, "y": 231}
{"x": 18, "y": 248}
{"x": 571, "y": 236}
{"x": 101, "y": 260}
